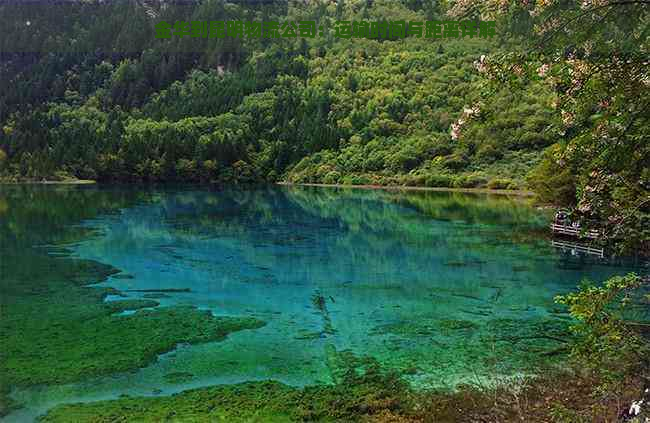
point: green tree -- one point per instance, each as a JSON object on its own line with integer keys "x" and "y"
{"x": 606, "y": 343}
{"x": 3, "y": 158}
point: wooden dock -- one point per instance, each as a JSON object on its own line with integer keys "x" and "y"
{"x": 576, "y": 232}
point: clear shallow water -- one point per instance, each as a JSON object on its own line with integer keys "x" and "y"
{"x": 443, "y": 287}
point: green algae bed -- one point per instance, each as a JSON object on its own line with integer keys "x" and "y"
{"x": 56, "y": 329}
{"x": 365, "y": 393}
{"x": 246, "y": 402}
{"x": 362, "y": 390}
{"x": 253, "y": 401}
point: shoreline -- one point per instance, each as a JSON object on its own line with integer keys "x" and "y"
{"x": 67, "y": 182}
{"x": 521, "y": 193}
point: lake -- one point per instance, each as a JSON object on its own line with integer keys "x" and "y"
{"x": 443, "y": 288}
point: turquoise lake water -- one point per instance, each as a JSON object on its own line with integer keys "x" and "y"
{"x": 445, "y": 288}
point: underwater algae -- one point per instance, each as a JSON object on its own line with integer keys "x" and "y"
{"x": 362, "y": 388}
{"x": 362, "y": 391}
{"x": 56, "y": 329}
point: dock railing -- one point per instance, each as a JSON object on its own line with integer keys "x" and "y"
{"x": 570, "y": 246}
{"x": 572, "y": 231}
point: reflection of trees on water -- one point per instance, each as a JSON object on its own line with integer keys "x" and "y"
{"x": 362, "y": 223}
{"x": 357, "y": 239}
{"x": 425, "y": 233}
{"x": 438, "y": 205}
{"x": 578, "y": 256}
{"x": 34, "y": 215}
{"x": 372, "y": 212}
{"x": 408, "y": 211}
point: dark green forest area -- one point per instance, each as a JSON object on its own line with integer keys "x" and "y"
{"x": 557, "y": 102}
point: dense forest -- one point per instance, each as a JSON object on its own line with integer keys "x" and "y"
{"x": 556, "y": 102}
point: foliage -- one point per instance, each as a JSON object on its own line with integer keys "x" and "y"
{"x": 605, "y": 342}
{"x": 595, "y": 61}
{"x": 378, "y": 108}
{"x": 552, "y": 179}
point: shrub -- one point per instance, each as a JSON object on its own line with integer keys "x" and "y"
{"x": 208, "y": 169}
{"x": 552, "y": 179}
{"x": 501, "y": 183}
{"x": 374, "y": 161}
{"x": 243, "y": 172}
{"x": 186, "y": 169}
{"x": 332, "y": 177}
{"x": 605, "y": 342}
{"x": 439, "y": 181}
{"x": 414, "y": 180}
{"x": 226, "y": 175}
{"x": 442, "y": 148}
{"x": 456, "y": 161}
{"x": 321, "y": 171}
{"x": 470, "y": 181}
{"x": 403, "y": 160}
{"x": 61, "y": 175}
{"x": 489, "y": 153}
{"x": 87, "y": 172}
{"x": 356, "y": 180}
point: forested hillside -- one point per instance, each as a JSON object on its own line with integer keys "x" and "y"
{"x": 99, "y": 97}
{"x": 324, "y": 109}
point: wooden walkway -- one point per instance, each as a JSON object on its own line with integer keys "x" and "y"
{"x": 571, "y": 231}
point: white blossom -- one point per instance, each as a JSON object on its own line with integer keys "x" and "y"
{"x": 635, "y": 408}
{"x": 542, "y": 70}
